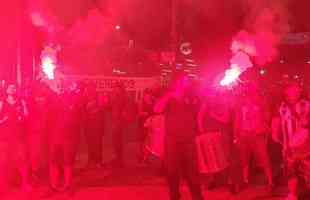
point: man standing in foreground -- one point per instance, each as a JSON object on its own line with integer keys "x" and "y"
{"x": 251, "y": 129}
{"x": 64, "y": 138}
{"x": 180, "y": 148}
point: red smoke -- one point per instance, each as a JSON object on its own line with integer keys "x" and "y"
{"x": 266, "y": 23}
{"x": 90, "y": 30}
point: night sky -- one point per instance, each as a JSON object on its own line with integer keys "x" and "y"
{"x": 208, "y": 24}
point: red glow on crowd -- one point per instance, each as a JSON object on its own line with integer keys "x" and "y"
{"x": 199, "y": 91}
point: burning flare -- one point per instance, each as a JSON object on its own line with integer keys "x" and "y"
{"x": 231, "y": 75}
{"x": 242, "y": 48}
{"x": 49, "y": 60}
{"x": 48, "y": 67}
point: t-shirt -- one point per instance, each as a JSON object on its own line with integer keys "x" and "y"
{"x": 12, "y": 127}
{"x": 155, "y": 123}
{"x": 93, "y": 110}
{"x": 72, "y": 107}
{"x": 217, "y": 117}
{"x": 147, "y": 108}
{"x": 67, "y": 116}
{"x": 180, "y": 118}
{"x": 253, "y": 117}
{"x": 95, "y": 114}
{"x": 38, "y": 110}
{"x": 118, "y": 105}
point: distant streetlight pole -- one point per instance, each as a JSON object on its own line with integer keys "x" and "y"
{"x": 174, "y": 31}
{"x": 19, "y": 45}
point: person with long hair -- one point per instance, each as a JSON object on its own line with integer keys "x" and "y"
{"x": 13, "y": 112}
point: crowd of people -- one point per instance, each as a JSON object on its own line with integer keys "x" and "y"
{"x": 215, "y": 134}
{"x": 202, "y": 136}
{"x": 41, "y": 131}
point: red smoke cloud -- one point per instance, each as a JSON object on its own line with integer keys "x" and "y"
{"x": 78, "y": 27}
{"x": 266, "y": 23}
{"x": 90, "y": 30}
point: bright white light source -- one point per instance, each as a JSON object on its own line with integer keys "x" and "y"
{"x": 262, "y": 72}
{"x": 117, "y": 27}
{"x": 231, "y": 75}
{"x": 48, "y": 67}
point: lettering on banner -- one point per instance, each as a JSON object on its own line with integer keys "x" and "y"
{"x": 109, "y": 83}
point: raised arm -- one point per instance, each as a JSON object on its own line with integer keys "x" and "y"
{"x": 161, "y": 105}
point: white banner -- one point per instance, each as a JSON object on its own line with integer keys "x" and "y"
{"x": 107, "y": 83}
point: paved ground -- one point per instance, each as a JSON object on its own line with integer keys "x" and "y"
{"x": 137, "y": 184}
{"x": 144, "y": 193}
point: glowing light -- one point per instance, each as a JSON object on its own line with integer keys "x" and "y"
{"x": 262, "y": 72}
{"x": 49, "y": 60}
{"x": 242, "y": 48}
{"x": 117, "y": 27}
{"x": 231, "y": 76}
{"x": 37, "y": 19}
{"x": 48, "y": 67}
